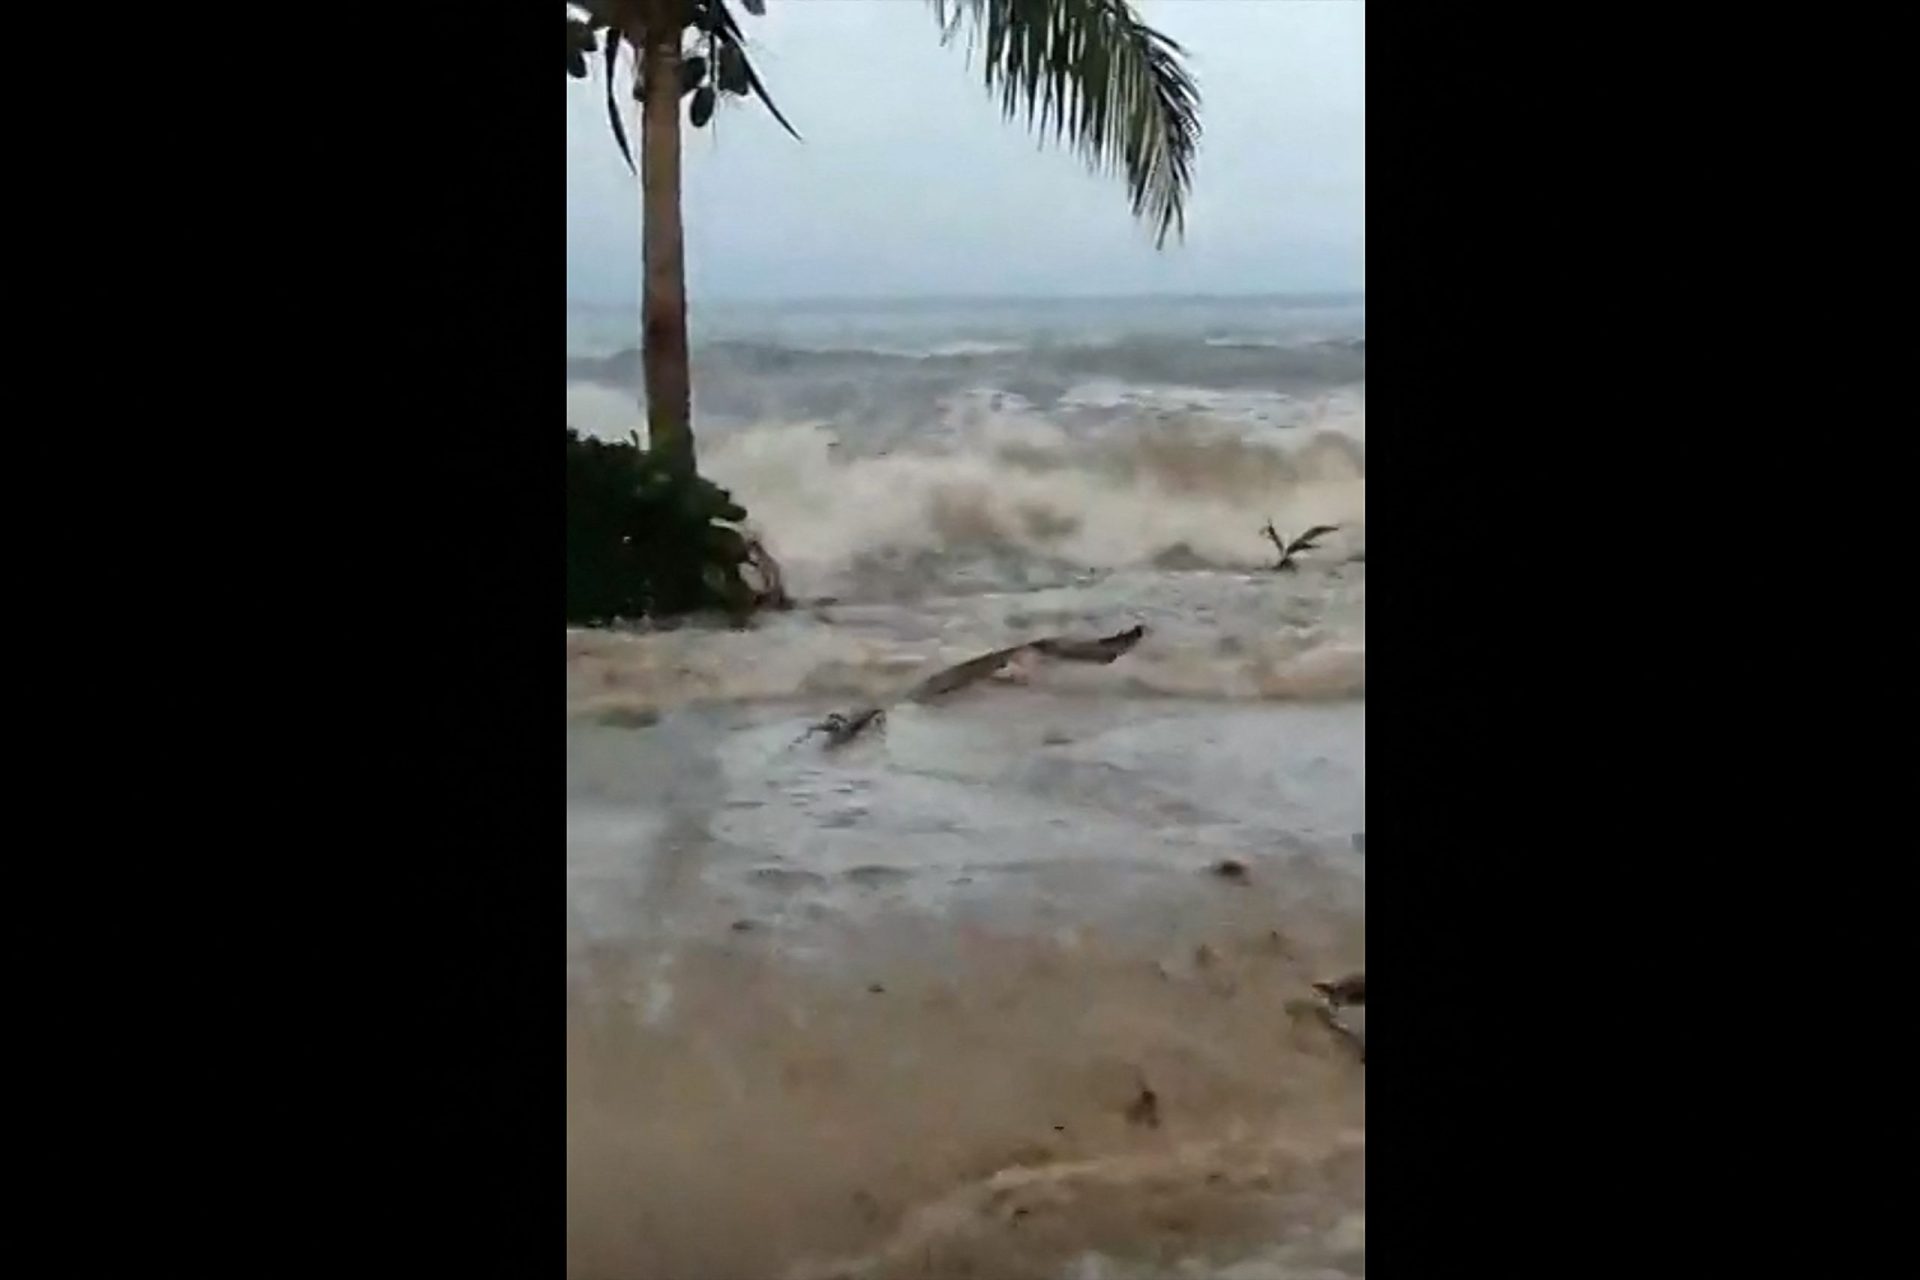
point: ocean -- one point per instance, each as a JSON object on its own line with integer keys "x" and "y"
{"x": 891, "y": 1009}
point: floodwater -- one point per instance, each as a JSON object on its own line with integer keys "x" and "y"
{"x": 1016, "y": 984}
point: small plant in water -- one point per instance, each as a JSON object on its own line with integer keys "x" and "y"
{"x": 1288, "y": 550}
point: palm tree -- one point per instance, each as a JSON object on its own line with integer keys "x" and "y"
{"x": 1088, "y": 73}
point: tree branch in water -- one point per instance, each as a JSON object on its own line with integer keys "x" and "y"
{"x": 842, "y": 727}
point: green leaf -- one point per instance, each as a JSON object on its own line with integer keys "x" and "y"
{"x": 702, "y": 106}
{"x": 1091, "y": 73}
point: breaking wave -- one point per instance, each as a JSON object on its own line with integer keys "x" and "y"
{"x": 1022, "y": 508}
{"x": 942, "y": 490}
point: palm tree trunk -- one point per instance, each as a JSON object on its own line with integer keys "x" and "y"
{"x": 664, "y": 296}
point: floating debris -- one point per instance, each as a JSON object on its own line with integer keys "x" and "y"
{"x": 1105, "y": 650}
{"x": 1350, "y": 990}
{"x": 1288, "y": 550}
{"x": 842, "y": 727}
{"x": 629, "y": 717}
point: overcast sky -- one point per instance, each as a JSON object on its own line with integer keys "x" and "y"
{"x": 909, "y": 182}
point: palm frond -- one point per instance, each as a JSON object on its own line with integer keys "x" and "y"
{"x": 1306, "y": 541}
{"x": 728, "y": 32}
{"x": 613, "y": 100}
{"x": 1091, "y": 73}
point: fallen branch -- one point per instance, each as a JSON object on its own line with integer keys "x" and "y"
{"x": 962, "y": 674}
{"x": 1288, "y": 550}
{"x": 1351, "y": 989}
{"x": 1103, "y": 650}
{"x": 1346, "y": 992}
{"x": 842, "y": 727}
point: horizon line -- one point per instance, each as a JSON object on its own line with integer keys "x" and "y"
{"x": 1286, "y": 295}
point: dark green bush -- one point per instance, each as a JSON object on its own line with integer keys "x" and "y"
{"x": 645, "y": 542}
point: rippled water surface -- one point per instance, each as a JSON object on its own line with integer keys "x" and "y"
{"x": 971, "y": 995}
